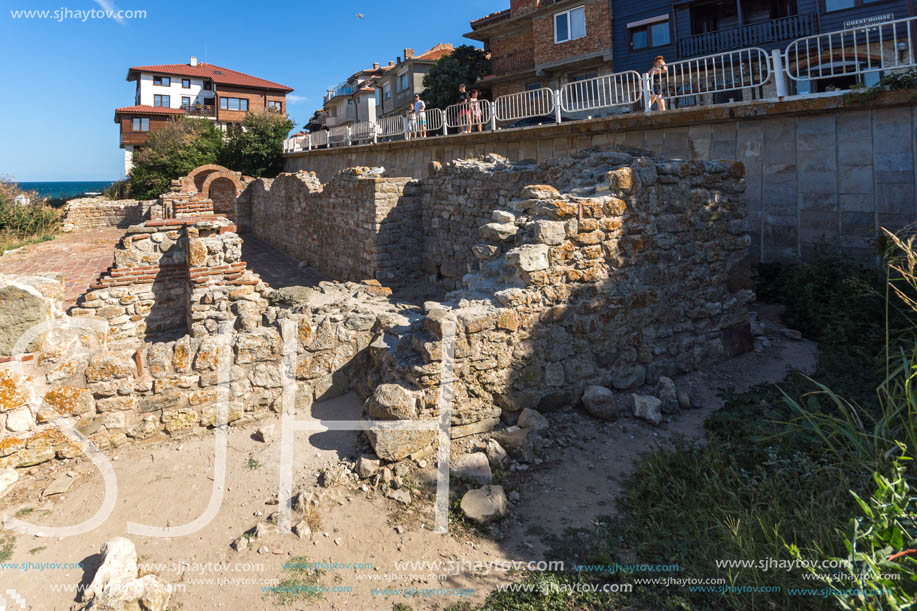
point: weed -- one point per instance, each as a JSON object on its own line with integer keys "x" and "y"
{"x": 36, "y": 550}
{"x": 252, "y": 464}
{"x": 300, "y": 584}
{"x": 7, "y": 544}
{"x": 24, "y": 512}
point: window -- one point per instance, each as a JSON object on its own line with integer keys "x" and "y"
{"x": 840, "y": 5}
{"x": 165, "y": 81}
{"x": 140, "y": 124}
{"x": 532, "y": 86}
{"x": 402, "y": 81}
{"x": 570, "y": 25}
{"x": 208, "y": 86}
{"x": 161, "y": 100}
{"x": 234, "y": 104}
{"x": 185, "y": 101}
{"x": 186, "y": 83}
{"x": 386, "y": 91}
{"x": 646, "y": 35}
{"x": 274, "y": 106}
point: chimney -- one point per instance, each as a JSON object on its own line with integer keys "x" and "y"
{"x": 193, "y": 61}
{"x": 390, "y": 64}
{"x": 408, "y": 54}
{"x": 375, "y": 65}
{"x": 398, "y": 59}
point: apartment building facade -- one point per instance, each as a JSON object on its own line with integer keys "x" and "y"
{"x": 395, "y": 90}
{"x": 683, "y": 29}
{"x": 195, "y": 89}
{"x": 545, "y": 43}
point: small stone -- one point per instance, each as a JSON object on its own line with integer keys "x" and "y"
{"x": 338, "y": 541}
{"x": 402, "y": 496}
{"x": 8, "y": 477}
{"x": 684, "y": 399}
{"x": 240, "y": 544}
{"x": 367, "y": 467}
{"x": 531, "y": 419}
{"x": 495, "y": 453}
{"x": 601, "y": 403}
{"x": 668, "y": 394}
{"x": 265, "y": 434}
{"x": 472, "y": 467}
{"x": 60, "y": 485}
{"x": 792, "y": 334}
{"x": 302, "y": 530}
{"x": 264, "y": 550}
{"x": 484, "y": 504}
{"x": 648, "y": 408}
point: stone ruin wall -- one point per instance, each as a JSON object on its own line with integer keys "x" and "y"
{"x": 621, "y": 269}
{"x": 95, "y": 212}
{"x": 358, "y": 226}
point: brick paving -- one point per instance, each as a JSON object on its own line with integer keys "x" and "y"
{"x": 83, "y": 256}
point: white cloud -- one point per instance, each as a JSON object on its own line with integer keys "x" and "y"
{"x": 296, "y": 99}
{"x": 110, "y": 7}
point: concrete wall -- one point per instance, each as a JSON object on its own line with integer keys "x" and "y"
{"x": 818, "y": 168}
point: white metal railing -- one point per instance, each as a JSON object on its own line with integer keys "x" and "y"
{"x": 524, "y": 104}
{"x": 426, "y": 123}
{"x": 873, "y": 47}
{"x": 319, "y": 138}
{"x": 469, "y": 114}
{"x": 391, "y": 126}
{"x": 364, "y": 130}
{"x": 339, "y": 135}
{"x": 741, "y": 69}
{"x": 619, "y": 89}
{"x": 869, "y": 48}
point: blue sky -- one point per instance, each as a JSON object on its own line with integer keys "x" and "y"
{"x": 63, "y": 79}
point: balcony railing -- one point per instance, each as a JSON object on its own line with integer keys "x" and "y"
{"x": 752, "y": 35}
{"x": 203, "y": 111}
{"x": 513, "y": 62}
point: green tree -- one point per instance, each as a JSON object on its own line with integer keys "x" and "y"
{"x": 465, "y": 65}
{"x": 257, "y": 149}
{"x": 171, "y": 152}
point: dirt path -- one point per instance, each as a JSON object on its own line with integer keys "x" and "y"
{"x": 170, "y": 484}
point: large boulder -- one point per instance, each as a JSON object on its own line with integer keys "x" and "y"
{"x": 648, "y": 408}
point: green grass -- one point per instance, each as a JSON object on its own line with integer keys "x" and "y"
{"x": 7, "y": 544}
{"x": 24, "y": 512}
{"x": 251, "y": 464}
{"x": 298, "y": 585}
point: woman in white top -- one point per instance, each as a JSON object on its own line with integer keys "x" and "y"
{"x": 420, "y": 115}
{"x": 656, "y": 73}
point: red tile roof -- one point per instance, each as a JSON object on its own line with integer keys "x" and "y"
{"x": 221, "y": 76}
{"x": 147, "y": 110}
{"x": 440, "y": 50}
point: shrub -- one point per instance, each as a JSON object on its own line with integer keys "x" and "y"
{"x": 171, "y": 152}
{"x": 256, "y": 149}
{"x": 20, "y": 224}
{"x": 118, "y": 190}
{"x": 465, "y": 64}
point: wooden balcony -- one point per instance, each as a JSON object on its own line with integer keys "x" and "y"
{"x": 513, "y": 62}
{"x": 202, "y": 111}
{"x": 751, "y": 35}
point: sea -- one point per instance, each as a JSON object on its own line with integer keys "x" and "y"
{"x": 65, "y": 189}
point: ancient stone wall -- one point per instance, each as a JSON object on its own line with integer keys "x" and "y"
{"x": 357, "y": 226}
{"x": 92, "y": 212}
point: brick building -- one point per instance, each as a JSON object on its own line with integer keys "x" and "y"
{"x": 195, "y": 89}
{"x": 544, "y": 43}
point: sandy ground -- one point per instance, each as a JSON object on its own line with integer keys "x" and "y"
{"x": 170, "y": 484}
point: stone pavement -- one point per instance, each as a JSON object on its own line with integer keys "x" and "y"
{"x": 80, "y": 256}
{"x": 274, "y": 267}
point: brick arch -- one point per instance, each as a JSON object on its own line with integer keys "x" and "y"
{"x": 222, "y": 191}
{"x": 224, "y": 174}
{"x": 194, "y": 181}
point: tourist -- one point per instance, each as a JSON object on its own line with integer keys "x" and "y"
{"x": 476, "y": 114}
{"x": 464, "y": 110}
{"x": 656, "y": 74}
{"x": 420, "y": 116}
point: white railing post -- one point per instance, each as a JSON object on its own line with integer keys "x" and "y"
{"x": 647, "y": 101}
{"x": 779, "y": 72}
{"x": 557, "y": 112}
{"x": 445, "y": 121}
{"x": 349, "y": 136}
{"x": 327, "y": 138}
{"x": 493, "y": 118}
{"x": 375, "y": 133}
{"x": 309, "y": 142}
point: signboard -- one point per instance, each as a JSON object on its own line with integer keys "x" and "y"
{"x": 855, "y": 23}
